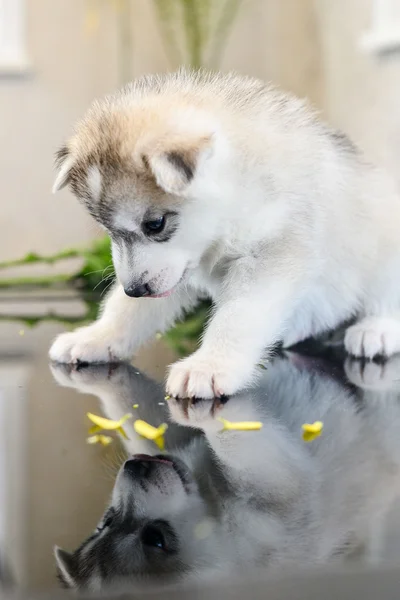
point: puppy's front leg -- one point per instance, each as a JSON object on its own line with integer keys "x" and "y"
{"x": 124, "y": 325}
{"x": 250, "y": 315}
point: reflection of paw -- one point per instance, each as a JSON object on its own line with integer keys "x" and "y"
{"x": 207, "y": 376}
{"x": 374, "y": 336}
{"x": 92, "y": 344}
{"x": 90, "y": 379}
{"x": 196, "y": 413}
{"x": 374, "y": 376}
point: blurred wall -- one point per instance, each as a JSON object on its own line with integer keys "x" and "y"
{"x": 361, "y": 89}
{"x": 74, "y": 51}
{"x": 69, "y": 67}
{"x": 278, "y": 40}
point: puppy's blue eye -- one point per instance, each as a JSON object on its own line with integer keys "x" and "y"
{"x": 154, "y": 226}
{"x": 151, "y": 536}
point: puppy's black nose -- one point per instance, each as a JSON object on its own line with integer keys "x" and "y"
{"x": 138, "y": 291}
{"x": 138, "y": 468}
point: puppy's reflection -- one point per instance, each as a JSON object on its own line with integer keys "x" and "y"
{"x": 228, "y": 502}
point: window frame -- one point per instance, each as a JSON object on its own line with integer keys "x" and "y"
{"x": 383, "y": 35}
{"x": 13, "y": 51}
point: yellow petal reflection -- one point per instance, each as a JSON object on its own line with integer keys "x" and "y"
{"x": 155, "y": 434}
{"x": 108, "y": 424}
{"x": 312, "y": 430}
{"x": 100, "y": 423}
{"x": 241, "y": 425}
{"x": 104, "y": 440}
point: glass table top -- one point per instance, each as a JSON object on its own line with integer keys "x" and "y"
{"x": 215, "y": 502}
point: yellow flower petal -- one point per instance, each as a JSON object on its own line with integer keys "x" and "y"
{"x": 136, "y": 406}
{"x": 241, "y": 426}
{"x": 309, "y": 437}
{"x": 155, "y": 434}
{"x": 312, "y": 430}
{"x": 160, "y": 442}
{"x": 313, "y": 427}
{"x": 122, "y": 432}
{"x": 148, "y": 431}
{"x": 108, "y": 423}
{"x": 94, "y": 429}
{"x": 104, "y": 440}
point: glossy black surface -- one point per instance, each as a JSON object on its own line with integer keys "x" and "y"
{"x": 338, "y": 495}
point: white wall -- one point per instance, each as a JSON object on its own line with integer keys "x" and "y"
{"x": 69, "y": 67}
{"x": 361, "y": 89}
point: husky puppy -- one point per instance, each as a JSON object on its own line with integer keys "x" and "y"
{"x": 217, "y": 185}
{"x": 223, "y": 504}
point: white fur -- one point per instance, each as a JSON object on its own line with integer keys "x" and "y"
{"x": 62, "y": 175}
{"x": 94, "y": 182}
{"x": 62, "y": 559}
{"x": 287, "y": 231}
{"x": 167, "y": 177}
{"x": 123, "y": 220}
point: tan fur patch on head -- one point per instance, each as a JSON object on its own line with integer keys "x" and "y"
{"x": 152, "y": 133}
{"x": 123, "y": 131}
{"x": 169, "y": 119}
{"x": 140, "y": 145}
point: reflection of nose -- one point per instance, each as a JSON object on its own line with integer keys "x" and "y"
{"x": 138, "y": 291}
{"x": 137, "y": 468}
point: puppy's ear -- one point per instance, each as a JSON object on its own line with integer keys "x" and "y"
{"x": 65, "y": 567}
{"x": 174, "y": 167}
{"x": 64, "y": 163}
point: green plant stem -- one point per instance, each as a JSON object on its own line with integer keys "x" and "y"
{"x": 166, "y": 13}
{"x": 32, "y": 258}
{"x": 41, "y": 281}
{"x": 32, "y": 320}
{"x": 125, "y": 42}
{"x": 205, "y": 13}
{"x": 224, "y": 24}
{"x": 193, "y": 33}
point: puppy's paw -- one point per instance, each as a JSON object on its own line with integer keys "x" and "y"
{"x": 374, "y": 336}
{"x": 92, "y": 344}
{"x": 207, "y": 376}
